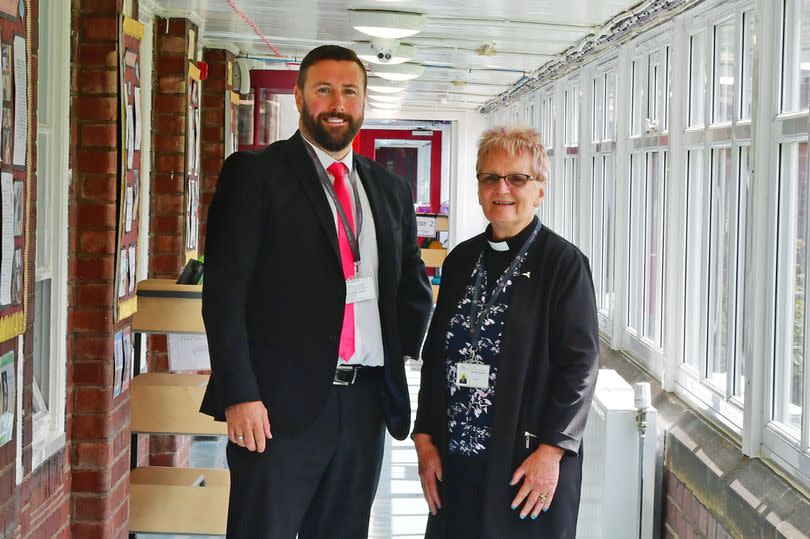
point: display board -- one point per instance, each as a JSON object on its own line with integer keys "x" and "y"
{"x": 15, "y": 167}
{"x": 130, "y": 167}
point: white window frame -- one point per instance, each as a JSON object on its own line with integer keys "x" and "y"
{"x": 52, "y": 166}
{"x": 649, "y": 353}
{"x": 762, "y": 436}
{"x": 602, "y": 147}
{"x": 689, "y": 383}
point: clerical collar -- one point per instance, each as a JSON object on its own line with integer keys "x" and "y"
{"x": 513, "y": 243}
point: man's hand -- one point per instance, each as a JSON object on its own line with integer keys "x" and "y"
{"x": 540, "y": 473}
{"x": 430, "y": 469}
{"x": 248, "y": 425}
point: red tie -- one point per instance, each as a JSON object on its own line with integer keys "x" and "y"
{"x": 338, "y": 170}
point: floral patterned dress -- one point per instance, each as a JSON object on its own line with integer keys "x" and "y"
{"x": 469, "y": 408}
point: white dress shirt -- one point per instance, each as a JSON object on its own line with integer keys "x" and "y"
{"x": 368, "y": 346}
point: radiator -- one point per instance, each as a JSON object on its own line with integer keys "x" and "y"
{"x": 609, "y": 508}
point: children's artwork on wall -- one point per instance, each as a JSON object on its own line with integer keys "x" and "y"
{"x": 15, "y": 166}
{"x": 8, "y": 394}
{"x": 128, "y": 198}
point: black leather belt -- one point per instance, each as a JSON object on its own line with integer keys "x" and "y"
{"x": 346, "y": 375}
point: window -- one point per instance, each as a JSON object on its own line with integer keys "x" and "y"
{"x": 788, "y": 369}
{"x": 601, "y": 154}
{"x": 645, "y": 260}
{"x": 50, "y": 288}
{"x": 697, "y": 79}
{"x": 795, "y": 55}
{"x": 712, "y": 369}
{"x": 747, "y": 67}
{"x": 570, "y": 194}
{"x": 602, "y": 208}
{"x": 545, "y": 125}
{"x": 723, "y": 79}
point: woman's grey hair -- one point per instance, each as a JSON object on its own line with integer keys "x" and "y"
{"x": 515, "y": 140}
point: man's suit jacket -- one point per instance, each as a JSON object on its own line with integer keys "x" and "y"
{"x": 274, "y": 292}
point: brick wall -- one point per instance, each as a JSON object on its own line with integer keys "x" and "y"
{"x": 99, "y": 423}
{"x": 214, "y": 103}
{"x": 684, "y": 515}
{"x": 167, "y": 223}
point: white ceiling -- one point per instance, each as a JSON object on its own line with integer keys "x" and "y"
{"x": 525, "y": 33}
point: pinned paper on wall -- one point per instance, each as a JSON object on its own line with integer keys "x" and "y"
{"x": 122, "y": 276}
{"x": 118, "y": 358}
{"x": 137, "y": 119}
{"x": 130, "y": 138}
{"x": 126, "y": 352}
{"x": 8, "y": 399}
{"x": 19, "y": 207}
{"x": 128, "y": 210}
{"x": 7, "y": 236}
{"x": 20, "y": 101}
{"x": 188, "y": 352}
{"x": 132, "y": 266}
{"x": 425, "y": 226}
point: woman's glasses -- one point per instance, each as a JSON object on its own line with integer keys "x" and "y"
{"x": 490, "y": 179}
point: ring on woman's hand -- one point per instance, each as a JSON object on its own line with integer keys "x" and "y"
{"x": 543, "y": 497}
{"x": 239, "y": 437}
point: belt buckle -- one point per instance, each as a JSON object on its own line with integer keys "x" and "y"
{"x": 344, "y": 369}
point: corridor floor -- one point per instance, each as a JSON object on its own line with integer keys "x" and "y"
{"x": 399, "y": 511}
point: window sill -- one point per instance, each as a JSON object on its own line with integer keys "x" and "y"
{"x": 47, "y": 441}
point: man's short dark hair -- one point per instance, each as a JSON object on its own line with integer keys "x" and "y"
{"x": 328, "y": 52}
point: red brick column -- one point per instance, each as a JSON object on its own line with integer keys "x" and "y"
{"x": 167, "y": 223}
{"x": 215, "y": 102}
{"x": 98, "y": 423}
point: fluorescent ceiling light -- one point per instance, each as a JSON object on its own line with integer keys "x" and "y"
{"x": 389, "y": 24}
{"x": 397, "y": 54}
{"x": 382, "y": 86}
{"x": 399, "y": 72}
{"x": 386, "y": 98}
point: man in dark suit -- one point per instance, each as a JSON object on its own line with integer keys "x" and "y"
{"x": 314, "y": 296}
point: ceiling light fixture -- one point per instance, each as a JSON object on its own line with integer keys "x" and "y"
{"x": 386, "y": 98}
{"x": 388, "y": 24}
{"x": 399, "y": 72}
{"x": 382, "y": 86}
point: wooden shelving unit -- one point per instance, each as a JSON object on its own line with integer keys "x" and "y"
{"x": 162, "y": 499}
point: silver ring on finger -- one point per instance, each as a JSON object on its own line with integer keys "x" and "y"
{"x": 240, "y": 437}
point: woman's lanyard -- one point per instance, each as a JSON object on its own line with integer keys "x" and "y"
{"x": 476, "y": 316}
{"x": 352, "y": 238}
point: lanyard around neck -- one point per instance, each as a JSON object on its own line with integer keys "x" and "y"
{"x": 476, "y": 316}
{"x": 352, "y": 238}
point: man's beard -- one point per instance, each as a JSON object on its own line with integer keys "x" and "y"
{"x": 332, "y": 140}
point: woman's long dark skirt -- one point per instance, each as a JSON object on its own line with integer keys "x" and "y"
{"x": 464, "y": 495}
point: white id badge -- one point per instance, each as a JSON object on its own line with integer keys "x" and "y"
{"x": 472, "y": 375}
{"x": 359, "y": 289}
